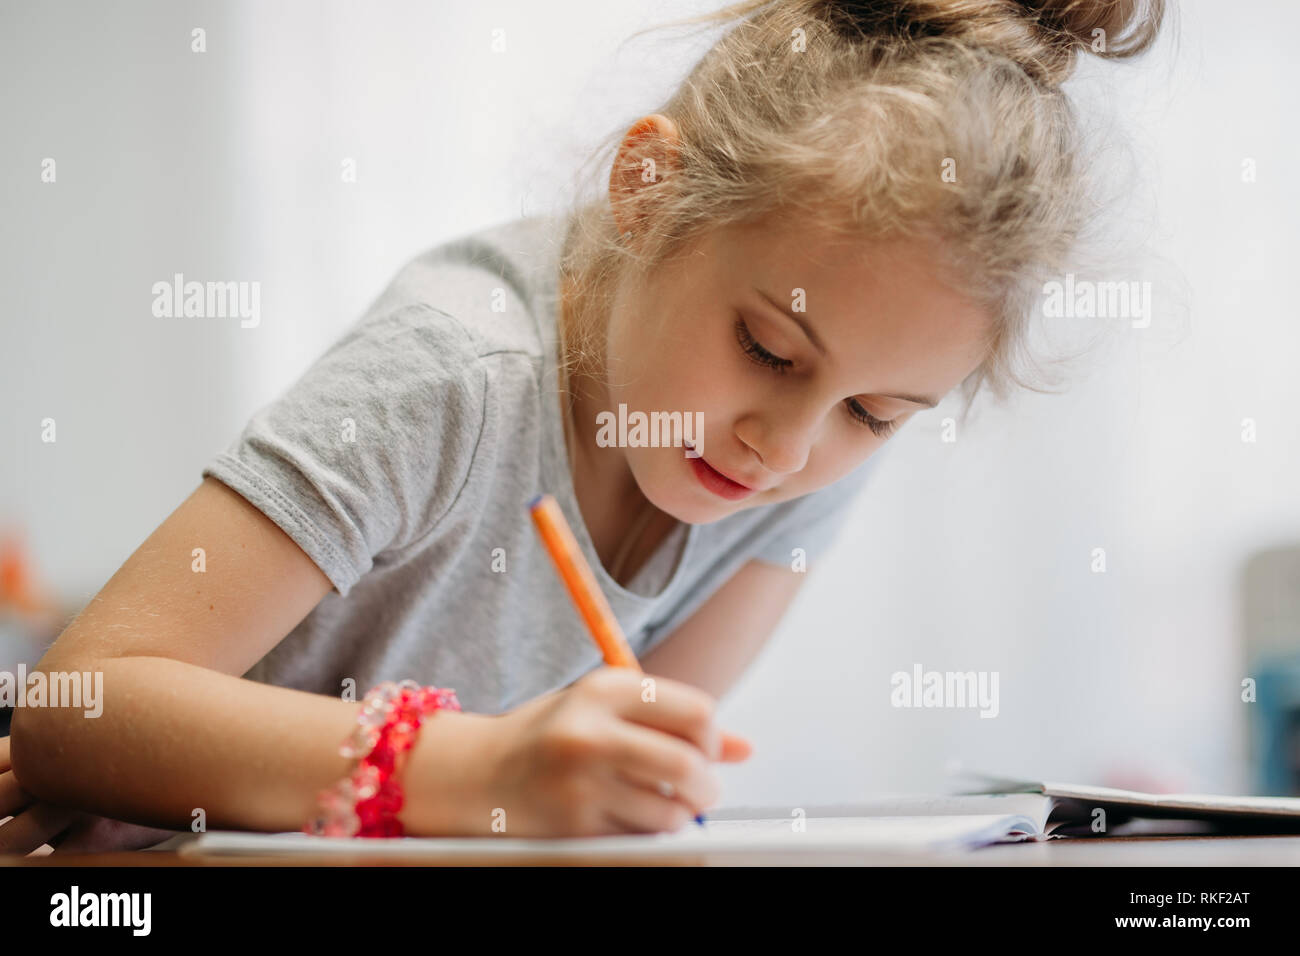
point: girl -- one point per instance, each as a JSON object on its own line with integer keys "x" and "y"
{"x": 839, "y": 218}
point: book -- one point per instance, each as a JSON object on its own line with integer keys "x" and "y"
{"x": 1072, "y": 807}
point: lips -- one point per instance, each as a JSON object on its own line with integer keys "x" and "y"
{"x": 718, "y": 483}
{"x": 729, "y": 478}
{"x": 739, "y": 486}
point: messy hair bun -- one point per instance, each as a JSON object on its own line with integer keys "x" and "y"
{"x": 879, "y": 118}
{"x": 1042, "y": 36}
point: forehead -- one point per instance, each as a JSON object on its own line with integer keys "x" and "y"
{"x": 890, "y": 299}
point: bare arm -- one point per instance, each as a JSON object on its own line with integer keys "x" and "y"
{"x": 712, "y": 648}
{"x": 180, "y": 729}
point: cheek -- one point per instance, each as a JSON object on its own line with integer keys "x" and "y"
{"x": 710, "y": 384}
{"x": 842, "y": 449}
{"x": 685, "y": 367}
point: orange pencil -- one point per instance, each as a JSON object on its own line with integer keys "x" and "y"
{"x": 582, "y": 585}
{"x": 578, "y": 578}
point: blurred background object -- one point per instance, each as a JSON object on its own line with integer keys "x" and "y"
{"x": 30, "y": 617}
{"x": 1271, "y": 612}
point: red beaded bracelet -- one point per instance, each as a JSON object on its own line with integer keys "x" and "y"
{"x": 366, "y": 802}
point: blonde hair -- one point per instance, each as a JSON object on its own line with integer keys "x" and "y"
{"x": 846, "y": 114}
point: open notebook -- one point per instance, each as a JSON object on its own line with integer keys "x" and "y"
{"x": 891, "y": 823}
{"x": 1007, "y": 811}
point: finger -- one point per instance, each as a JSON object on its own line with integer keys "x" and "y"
{"x": 12, "y": 797}
{"x": 669, "y": 792}
{"x": 76, "y": 822}
{"x": 650, "y": 757}
{"x": 4, "y": 755}
{"x": 735, "y": 749}
{"x": 34, "y": 827}
{"x": 639, "y": 810}
{"x": 96, "y": 834}
{"x": 689, "y": 797}
{"x": 676, "y": 708}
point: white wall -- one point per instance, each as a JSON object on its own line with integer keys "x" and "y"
{"x": 967, "y": 555}
{"x": 142, "y": 134}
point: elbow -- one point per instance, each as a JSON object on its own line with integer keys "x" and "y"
{"x": 43, "y": 763}
{"x": 31, "y": 757}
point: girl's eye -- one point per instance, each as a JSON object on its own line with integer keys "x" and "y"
{"x": 762, "y": 356}
{"x": 749, "y": 345}
{"x": 880, "y": 428}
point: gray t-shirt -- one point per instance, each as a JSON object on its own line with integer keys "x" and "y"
{"x": 402, "y": 462}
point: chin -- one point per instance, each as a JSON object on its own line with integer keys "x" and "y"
{"x": 697, "y": 513}
{"x": 679, "y": 494}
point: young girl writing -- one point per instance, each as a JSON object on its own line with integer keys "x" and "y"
{"x": 839, "y": 218}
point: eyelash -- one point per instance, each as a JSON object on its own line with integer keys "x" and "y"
{"x": 761, "y": 356}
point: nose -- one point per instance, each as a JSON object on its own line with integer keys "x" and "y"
{"x": 782, "y": 439}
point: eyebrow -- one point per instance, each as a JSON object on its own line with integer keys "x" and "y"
{"x": 793, "y": 316}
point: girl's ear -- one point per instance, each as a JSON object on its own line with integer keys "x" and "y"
{"x": 648, "y": 153}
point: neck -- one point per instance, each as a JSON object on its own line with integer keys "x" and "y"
{"x": 615, "y": 511}
{"x": 602, "y": 471}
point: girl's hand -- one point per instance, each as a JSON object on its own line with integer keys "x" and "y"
{"x": 596, "y": 758}
{"x": 27, "y": 825}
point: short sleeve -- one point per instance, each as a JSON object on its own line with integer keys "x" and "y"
{"x": 371, "y": 446}
{"x": 813, "y": 523}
